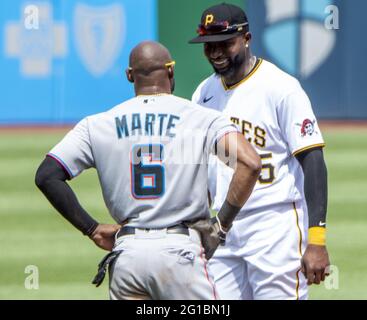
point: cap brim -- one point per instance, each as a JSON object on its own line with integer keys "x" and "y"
{"x": 214, "y": 37}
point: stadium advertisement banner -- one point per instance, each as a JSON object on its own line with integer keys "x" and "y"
{"x": 318, "y": 42}
{"x": 62, "y": 60}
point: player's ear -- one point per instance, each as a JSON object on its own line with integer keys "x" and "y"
{"x": 129, "y": 75}
{"x": 171, "y": 72}
{"x": 247, "y": 39}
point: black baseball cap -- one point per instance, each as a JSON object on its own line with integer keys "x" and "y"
{"x": 221, "y": 22}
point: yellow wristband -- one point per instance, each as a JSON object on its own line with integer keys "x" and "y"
{"x": 317, "y": 235}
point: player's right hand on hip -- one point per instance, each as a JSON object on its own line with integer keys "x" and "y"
{"x": 104, "y": 235}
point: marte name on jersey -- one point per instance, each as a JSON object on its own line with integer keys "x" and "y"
{"x": 149, "y": 124}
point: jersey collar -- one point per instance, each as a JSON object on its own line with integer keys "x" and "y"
{"x": 254, "y": 69}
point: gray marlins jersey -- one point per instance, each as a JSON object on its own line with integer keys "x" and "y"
{"x": 151, "y": 156}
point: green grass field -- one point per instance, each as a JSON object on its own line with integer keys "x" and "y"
{"x": 32, "y": 233}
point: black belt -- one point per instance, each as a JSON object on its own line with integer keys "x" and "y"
{"x": 177, "y": 229}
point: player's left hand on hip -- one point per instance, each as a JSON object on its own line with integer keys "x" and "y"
{"x": 211, "y": 236}
{"x": 315, "y": 264}
{"x": 104, "y": 235}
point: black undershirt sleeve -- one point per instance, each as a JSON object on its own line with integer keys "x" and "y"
{"x": 51, "y": 180}
{"x": 315, "y": 185}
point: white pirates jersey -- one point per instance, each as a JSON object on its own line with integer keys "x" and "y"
{"x": 274, "y": 113}
{"x": 151, "y": 156}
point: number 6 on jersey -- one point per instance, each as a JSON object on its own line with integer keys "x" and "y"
{"x": 147, "y": 171}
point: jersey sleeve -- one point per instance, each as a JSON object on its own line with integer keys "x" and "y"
{"x": 298, "y": 122}
{"x": 217, "y": 130}
{"x": 74, "y": 151}
{"x": 196, "y": 95}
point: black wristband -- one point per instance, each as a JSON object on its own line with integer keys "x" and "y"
{"x": 227, "y": 214}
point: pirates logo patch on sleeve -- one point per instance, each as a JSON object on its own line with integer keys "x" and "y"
{"x": 307, "y": 127}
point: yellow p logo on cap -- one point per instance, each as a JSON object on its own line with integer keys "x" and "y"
{"x": 209, "y": 19}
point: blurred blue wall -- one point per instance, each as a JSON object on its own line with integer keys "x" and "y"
{"x": 330, "y": 63}
{"x": 73, "y": 64}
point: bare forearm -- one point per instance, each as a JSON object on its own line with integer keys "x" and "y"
{"x": 242, "y": 184}
{"x": 247, "y": 167}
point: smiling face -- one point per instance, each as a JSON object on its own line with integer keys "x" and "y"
{"x": 227, "y": 57}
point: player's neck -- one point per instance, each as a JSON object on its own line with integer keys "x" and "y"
{"x": 152, "y": 90}
{"x": 242, "y": 72}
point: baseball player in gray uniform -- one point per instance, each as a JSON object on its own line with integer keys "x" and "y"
{"x": 151, "y": 155}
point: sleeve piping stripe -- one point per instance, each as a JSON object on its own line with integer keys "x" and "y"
{"x": 62, "y": 163}
{"x": 308, "y": 147}
{"x": 224, "y": 134}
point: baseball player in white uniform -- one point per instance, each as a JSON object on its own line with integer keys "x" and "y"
{"x": 281, "y": 229}
{"x": 151, "y": 155}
